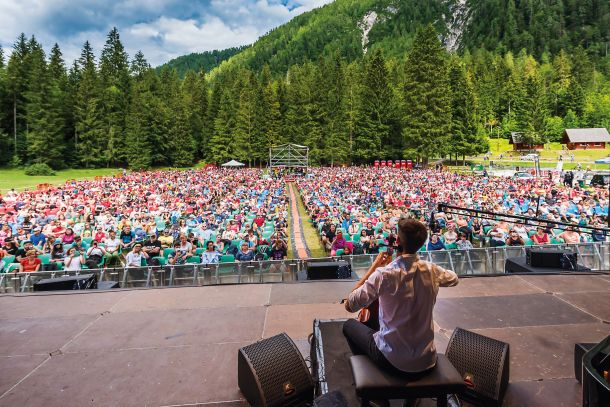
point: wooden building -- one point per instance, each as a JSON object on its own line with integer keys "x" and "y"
{"x": 519, "y": 144}
{"x": 586, "y": 139}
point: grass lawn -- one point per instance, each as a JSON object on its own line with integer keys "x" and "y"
{"x": 551, "y": 152}
{"x": 15, "y": 178}
{"x": 312, "y": 239}
{"x": 289, "y": 251}
{"x": 543, "y": 164}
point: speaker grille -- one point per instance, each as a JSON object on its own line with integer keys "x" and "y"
{"x": 278, "y": 362}
{"x": 483, "y": 358}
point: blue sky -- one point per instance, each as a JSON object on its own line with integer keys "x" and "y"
{"x": 162, "y": 29}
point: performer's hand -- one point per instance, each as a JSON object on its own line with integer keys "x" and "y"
{"x": 382, "y": 260}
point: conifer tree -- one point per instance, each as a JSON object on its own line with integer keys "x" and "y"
{"x": 139, "y": 65}
{"x": 427, "y": 97}
{"x": 531, "y": 115}
{"x": 17, "y": 73}
{"x": 61, "y": 104}
{"x": 221, "y": 143}
{"x": 44, "y": 131}
{"x": 373, "y": 122}
{"x": 139, "y": 129}
{"x": 465, "y": 138}
{"x": 5, "y": 142}
{"x": 91, "y": 138}
{"x": 246, "y": 132}
{"x": 332, "y": 81}
{"x": 114, "y": 82}
{"x": 351, "y": 105}
{"x": 272, "y": 117}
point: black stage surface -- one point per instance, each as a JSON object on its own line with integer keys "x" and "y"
{"x": 178, "y": 346}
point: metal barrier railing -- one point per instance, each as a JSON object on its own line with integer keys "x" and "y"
{"x": 480, "y": 261}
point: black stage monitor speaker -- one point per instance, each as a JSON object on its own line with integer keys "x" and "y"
{"x": 483, "y": 363}
{"x": 80, "y": 282}
{"x": 551, "y": 258}
{"x": 328, "y": 270}
{"x": 579, "y": 352}
{"x": 273, "y": 373}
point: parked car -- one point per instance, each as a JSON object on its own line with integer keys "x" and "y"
{"x": 529, "y": 157}
{"x": 523, "y": 175}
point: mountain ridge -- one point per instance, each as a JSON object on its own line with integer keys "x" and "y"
{"x": 351, "y": 28}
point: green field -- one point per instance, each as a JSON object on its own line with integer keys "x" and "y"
{"x": 15, "y": 178}
{"x": 551, "y": 152}
{"x": 310, "y": 234}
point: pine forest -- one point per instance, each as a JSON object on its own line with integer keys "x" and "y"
{"x": 401, "y": 92}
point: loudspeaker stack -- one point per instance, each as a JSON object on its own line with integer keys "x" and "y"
{"x": 272, "y": 373}
{"x": 484, "y": 365}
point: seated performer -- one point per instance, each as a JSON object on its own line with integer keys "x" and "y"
{"x": 406, "y": 289}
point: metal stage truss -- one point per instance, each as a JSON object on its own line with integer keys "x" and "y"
{"x": 289, "y": 156}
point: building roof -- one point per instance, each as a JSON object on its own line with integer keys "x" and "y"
{"x": 599, "y": 135}
{"x": 515, "y": 138}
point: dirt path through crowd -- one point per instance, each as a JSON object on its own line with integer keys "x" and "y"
{"x": 298, "y": 239}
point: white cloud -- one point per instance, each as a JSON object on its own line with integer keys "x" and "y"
{"x": 162, "y": 29}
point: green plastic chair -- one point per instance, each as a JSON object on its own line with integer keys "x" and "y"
{"x": 529, "y": 242}
{"x": 339, "y": 252}
{"x": 45, "y": 258}
{"x": 167, "y": 251}
{"x": 451, "y": 246}
{"x": 227, "y": 258}
{"x": 199, "y": 251}
{"x": 12, "y": 267}
{"x": 162, "y": 260}
{"x": 87, "y": 241}
{"x": 6, "y": 262}
{"x": 193, "y": 260}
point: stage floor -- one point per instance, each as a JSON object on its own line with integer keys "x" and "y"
{"x": 178, "y": 346}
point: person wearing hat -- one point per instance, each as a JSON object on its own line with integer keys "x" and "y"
{"x": 134, "y": 258}
{"x": 57, "y": 255}
{"x": 10, "y": 247}
{"x": 113, "y": 246}
{"x": 152, "y": 247}
{"x": 74, "y": 260}
{"x": 100, "y": 235}
{"x": 22, "y": 253}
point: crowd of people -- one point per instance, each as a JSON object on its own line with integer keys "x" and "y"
{"x": 357, "y": 209}
{"x": 199, "y": 216}
{"x": 145, "y": 218}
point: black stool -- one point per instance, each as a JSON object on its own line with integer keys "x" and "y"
{"x": 374, "y": 384}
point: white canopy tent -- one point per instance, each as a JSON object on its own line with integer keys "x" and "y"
{"x": 233, "y": 164}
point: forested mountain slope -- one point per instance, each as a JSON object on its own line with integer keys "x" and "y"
{"x": 198, "y": 61}
{"x": 351, "y": 27}
{"x": 536, "y": 70}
